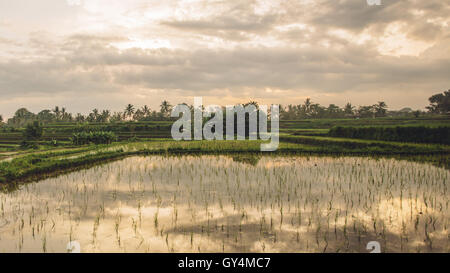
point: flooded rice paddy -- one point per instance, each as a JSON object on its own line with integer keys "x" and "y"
{"x": 226, "y": 204}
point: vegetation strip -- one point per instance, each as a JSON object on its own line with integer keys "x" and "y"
{"x": 35, "y": 166}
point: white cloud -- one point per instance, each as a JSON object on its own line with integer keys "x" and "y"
{"x": 78, "y": 51}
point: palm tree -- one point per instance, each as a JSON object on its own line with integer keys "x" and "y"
{"x": 95, "y": 115}
{"x": 380, "y": 109}
{"x": 307, "y": 106}
{"x": 106, "y": 114}
{"x": 334, "y": 110}
{"x": 138, "y": 115}
{"x": 65, "y": 116}
{"x": 129, "y": 110}
{"x": 252, "y": 102}
{"x": 166, "y": 107}
{"x": 349, "y": 109}
{"x": 116, "y": 117}
{"x": 79, "y": 118}
{"x": 146, "y": 111}
{"x": 366, "y": 111}
{"x": 57, "y": 112}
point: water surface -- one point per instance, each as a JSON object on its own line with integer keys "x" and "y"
{"x": 240, "y": 204}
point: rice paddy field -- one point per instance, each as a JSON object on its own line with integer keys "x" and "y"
{"x": 232, "y": 203}
{"x": 318, "y": 192}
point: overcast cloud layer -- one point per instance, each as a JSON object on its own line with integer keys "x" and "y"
{"x": 86, "y": 54}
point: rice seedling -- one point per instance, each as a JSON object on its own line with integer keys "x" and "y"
{"x": 221, "y": 203}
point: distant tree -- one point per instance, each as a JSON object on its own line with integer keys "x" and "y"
{"x": 307, "y": 106}
{"x": 33, "y": 131}
{"x": 440, "y": 103}
{"x": 46, "y": 116}
{"x": 380, "y": 109}
{"x": 317, "y": 111}
{"x": 290, "y": 112}
{"x": 405, "y": 110}
{"x": 283, "y": 112}
{"x": 252, "y": 102}
{"x": 79, "y": 118}
{"x": 416, "y": 113}
{"x": 63, "y": 114}
{"x": 90, "y": 117}
{"x": 138, "y": 115}
{"x": 349, "y": 110}
{"x": 1, "y": 119}
{"x": 56, "y": 112}
{"x": 166, "y": 108}
{"x": 116, "y": 117}
{"x": 129, "y": 111}
{"x": 334, "y": 111}
{"x": 146, "y": 111}
{"x": 95, "y": 115}
{"x": 105, "y": 116}
{"x": 21, "y": 117}
{"x": 366, "y": 111}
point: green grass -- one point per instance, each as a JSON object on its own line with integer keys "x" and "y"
{"x": 39, "y": 164}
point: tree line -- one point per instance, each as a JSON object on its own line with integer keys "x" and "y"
{"x": 439, "y": 104}
{"x": 59, "y": 114}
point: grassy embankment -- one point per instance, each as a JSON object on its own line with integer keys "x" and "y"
{"x": 38, "y": 165}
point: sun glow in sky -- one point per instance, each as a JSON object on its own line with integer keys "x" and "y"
{"x": 86, "y": 54}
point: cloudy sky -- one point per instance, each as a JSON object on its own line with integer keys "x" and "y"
{"x": 86, "y": 54}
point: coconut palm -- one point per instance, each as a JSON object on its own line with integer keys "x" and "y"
{"x": 138, "y": 115}
{"x": 129, "y": 110}
{"x": 79, "y": 118}
{"x": 106, "y": 114}
{"x": 116, "y": 117}
{"x": 95, "y": 116}
{"x": 349, "y": 109}
{"x": 146, "y": 111}
{"x": 166, "y": 108}
{"x": 57, "y": 112}
{"x": 307, "y": 106}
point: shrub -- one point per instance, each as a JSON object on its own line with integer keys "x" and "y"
{"x": 31, "y": 135}
{"x": 25, "y": 144}
{"x": 96, "y": 137}
{"x": 33, "y": 131}
{"x": 421, "y": 134}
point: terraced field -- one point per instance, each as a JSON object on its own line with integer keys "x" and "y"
{"x": 315, "y": 193}
{"x": 56, "y": 152}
